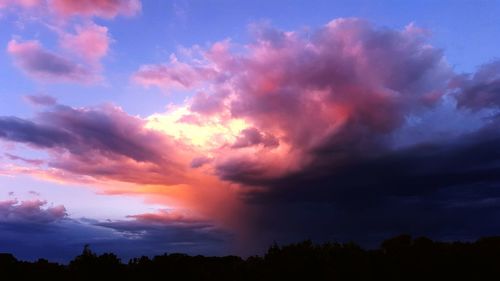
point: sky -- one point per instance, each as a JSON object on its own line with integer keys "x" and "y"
{"x": 219, "y": 127}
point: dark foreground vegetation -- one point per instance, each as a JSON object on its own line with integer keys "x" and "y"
{"x": 399, "y": 258}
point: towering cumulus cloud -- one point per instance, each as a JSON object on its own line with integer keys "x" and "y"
{"x": 326, "y": 95}
{"x": 323, "y": 111}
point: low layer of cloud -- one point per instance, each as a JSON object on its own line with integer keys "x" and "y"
{"x": 173, "y": 230}
{"x": 60, "y": 237}
{"x": 31, "y": 212}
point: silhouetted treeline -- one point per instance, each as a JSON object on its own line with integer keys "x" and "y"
{"x": 399, "y": 258}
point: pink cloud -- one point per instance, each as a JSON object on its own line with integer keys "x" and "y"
{"x": 21, "y": 3}
{"x": 344, "y": 87}
{"x": 285, "y": 101}
{"x": 100, "y": 8}
{"x": 91, "y": 42}
{"x": 45, "y": 65}
{"x": 83, "y": 8}
{"x": 83, "y": 49}
{"x": 164, "y": 217}
{"x": 208, "y": 104}
{"x": 174, "y": 75}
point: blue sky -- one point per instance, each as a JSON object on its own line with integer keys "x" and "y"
{"x": 129, "y": 163}
{"x": 467, "y": 31}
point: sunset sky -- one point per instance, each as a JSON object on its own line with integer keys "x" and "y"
{"x": 217, "y": 127}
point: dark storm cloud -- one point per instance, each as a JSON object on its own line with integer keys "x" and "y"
{"x": 445, "y": 190}
{"x": 481, "y": 90}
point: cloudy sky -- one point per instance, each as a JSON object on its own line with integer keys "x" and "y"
{"x": 217, "y": 127}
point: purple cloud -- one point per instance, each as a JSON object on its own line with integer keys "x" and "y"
{"x": 102, "y": 142}
{"x": 38, "y": 135}
{"x": 44, "y": 65}
{"x": 32, "y": 211}
{"x": 41, "y": 99}
{"x": 252, "y": 136}
{"x": 200, "y": 161}
{"x": 481, "y": 90}
{"x": 36, "y": 162}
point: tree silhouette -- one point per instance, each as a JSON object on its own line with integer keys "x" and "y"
{"x": 399, "y": 258}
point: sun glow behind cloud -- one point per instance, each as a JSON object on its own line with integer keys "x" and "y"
{"x": 205, "y": 133}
